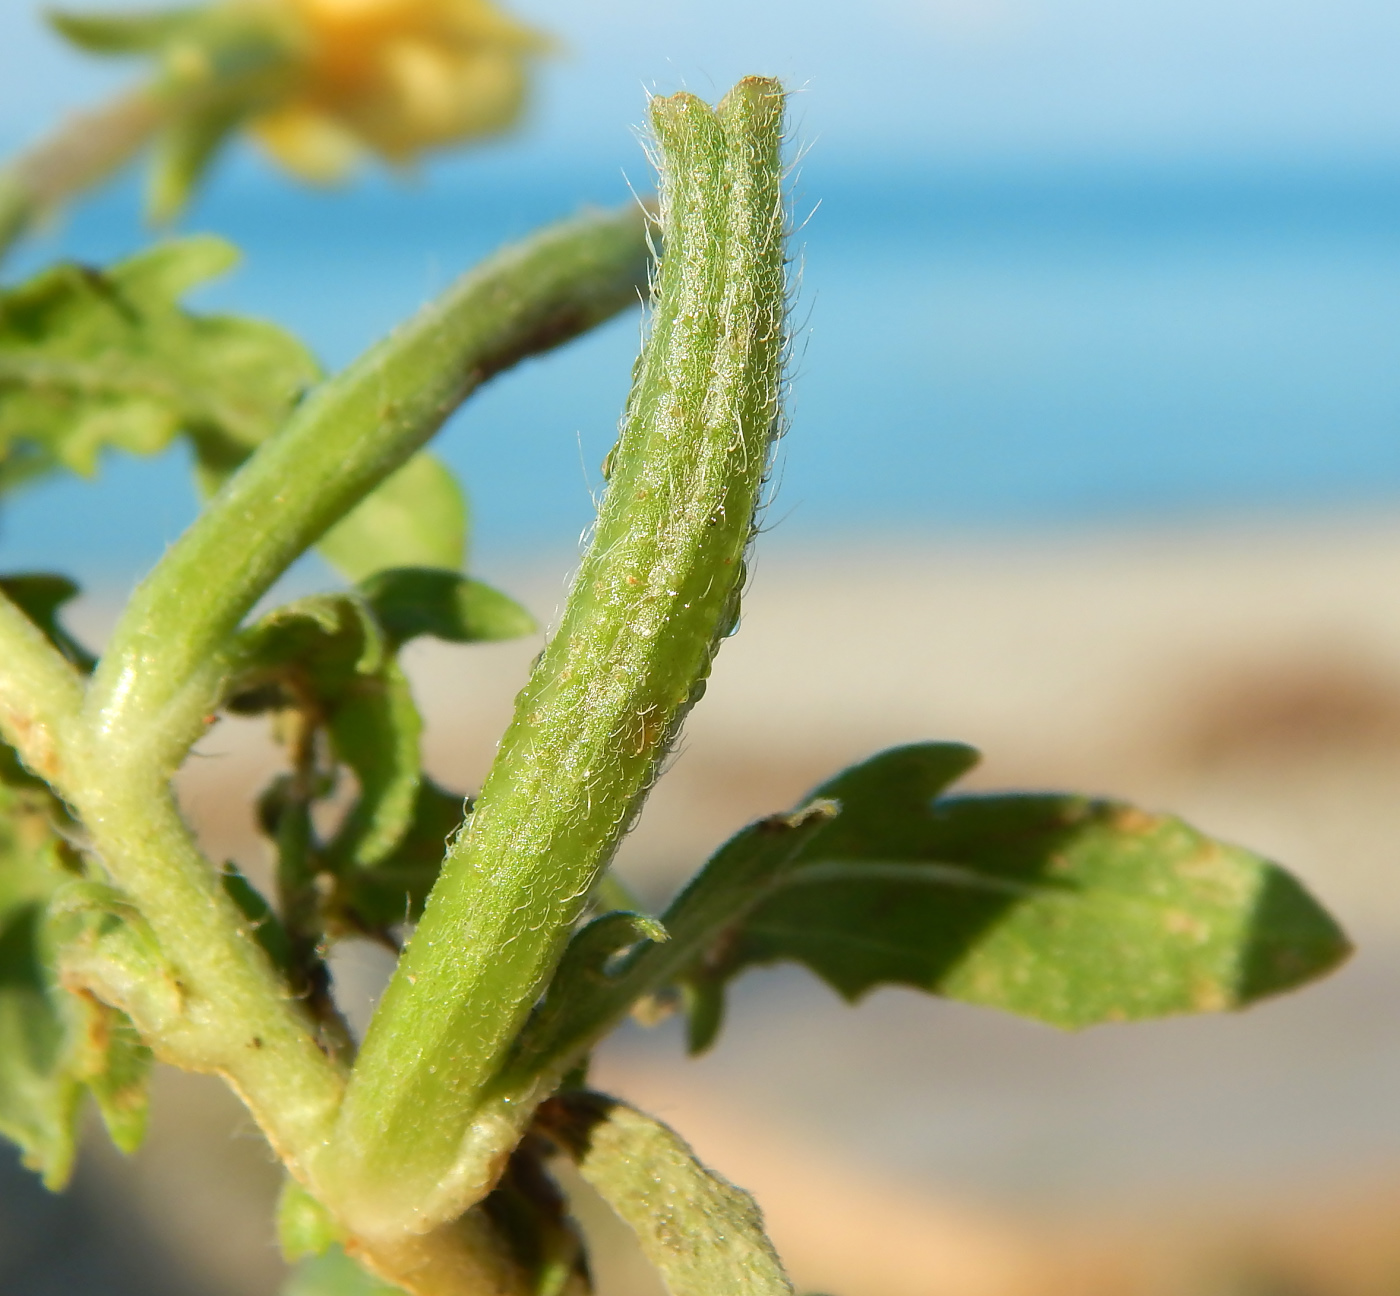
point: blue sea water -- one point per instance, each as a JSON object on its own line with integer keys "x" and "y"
{"x": 973, "y": 350}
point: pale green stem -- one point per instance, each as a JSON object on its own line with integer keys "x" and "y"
{"x": 237, "y": 1017}
{"x": 40, "y": 695}
{"x": 161, "y": 671}
{"x": 84, "y": 151}
{"x": 655, "y": 593}
{"x": 165, "y": 665}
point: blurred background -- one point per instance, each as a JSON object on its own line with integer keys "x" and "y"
{"x": 1094, "y": 462}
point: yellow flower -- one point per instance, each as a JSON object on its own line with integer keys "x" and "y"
{"x": 395, "y": 77}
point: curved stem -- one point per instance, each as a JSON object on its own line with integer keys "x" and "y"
{"x": 161, "y": 671}
{"x": 236, "y": 1017}
{"x": 165, "y": 664}
{"x": 85, "y": 150}
{"x": 656, "y": 592}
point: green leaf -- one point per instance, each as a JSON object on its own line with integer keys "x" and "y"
{"x": 412, "y": 601}
{"x": 329, "y": 637}
{"x": 1064, "y": 909}
{"x": 183, "y": 154}
{"x": 395, "y": 888}
{"x": 329, "y": 655}
{"x": 40, "y": 596}
{"x": 129, "y": 33}
{"x": 116, "y": 1067}
{"x": 106, "y": 947}
{"x": 253, "y": 905}
{"x": 39, "y": 1090}
{"x": 703, "y": 1235}
{"x": 39, "y": 1024}
{"x": 334, "y": 1274}
{"x": 304, "y": 1227}
{"x": 92, "y": 360}
{"x": 593, "y": 988}
{"x": 375, "y": 729}
{"x": 53, "y": 1043}
{"x": 416, "y": 518}
{"x": 334, "y": 654}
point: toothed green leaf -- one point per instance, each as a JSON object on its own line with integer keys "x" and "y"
{"x": 116, "y": 1068}
{"x": 39, "y": 1088}
{"x": 328, "y": 653}
{"x": 53, "y": 1044}
{"x": 93, "y": 360}
{"x": 1065, "y": 909}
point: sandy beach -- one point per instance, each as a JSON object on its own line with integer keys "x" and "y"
{"x": 1246, "y": 676}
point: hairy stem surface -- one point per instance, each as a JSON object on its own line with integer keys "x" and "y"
{"x": 656, "y": 592}
{"x": 166, "y": 663}
{"x": 161, "y": 670}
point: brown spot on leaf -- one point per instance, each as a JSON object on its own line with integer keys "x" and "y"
{"x": 1180, "y": 923}
{"x": 1209, "y": 996}
{"x": 1129, "y": 819}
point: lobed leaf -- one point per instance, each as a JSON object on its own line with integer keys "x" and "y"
{"x": 104, "y": 947}
{"x": 704, "y": 1236}
{"x": 39, "y": 1090}
{"x": 592, "y": 988}
{"x": 92, "y": 360}
{"x": 328, "y": 656}
{"x": 53, "y": 1044}
{"x": 1061, "y": 908}
{"x": 333, "y": 656}
{"x": 116, "y": 1067}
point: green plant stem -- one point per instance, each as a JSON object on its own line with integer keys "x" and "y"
{"x": 40, "y": 695}
{"x": 161, "y": 672}
{"x": 236, "y": 1017}
{"x": 84, "y": 151}
{"x": 590, "y": 996}
{"x": 165, "y": 666}
{"x": 656, "y": 592}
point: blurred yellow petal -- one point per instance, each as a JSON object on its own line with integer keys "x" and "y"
{"x": 399, "y": 76}
{"x": 308, "y": 143}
